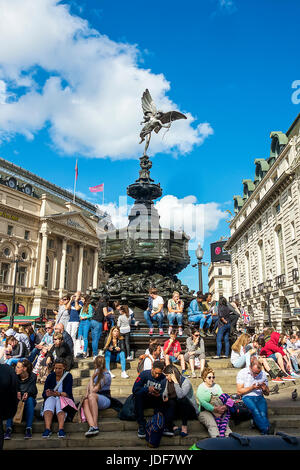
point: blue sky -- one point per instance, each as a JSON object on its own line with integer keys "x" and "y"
{"x": 70, "y": 88}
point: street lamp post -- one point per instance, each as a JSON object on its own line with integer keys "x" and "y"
{"x": 199, "y": 255}
{"x": 12, "y": 316}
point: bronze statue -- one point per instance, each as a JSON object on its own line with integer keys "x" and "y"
{"x": 154, "y": 120}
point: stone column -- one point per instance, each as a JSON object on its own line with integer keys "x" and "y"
{"x": 95, "y": 272}
{"x": 80, "y": 267}
{"x": 63, "y": 266}
{"x": 43, "y": 259}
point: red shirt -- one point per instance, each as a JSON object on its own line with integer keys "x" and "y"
{"x": 174, "y": 348}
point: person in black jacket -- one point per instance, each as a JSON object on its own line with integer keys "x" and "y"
{"x": 60, "y": 349}
{"x": 8, "y": 396}
{"x": 58, "y": 384}
{"x": 27, "y": 392}
{"x": 223, "y": 327}
{"x": 148, "y": 390}
{"x": 59, "y": 328}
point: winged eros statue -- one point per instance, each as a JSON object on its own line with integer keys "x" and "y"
{"x": 154, "y": 120}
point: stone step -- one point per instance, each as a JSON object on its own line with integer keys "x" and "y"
{"x": 104, "y": 440}
{"x": 111, "y": 424}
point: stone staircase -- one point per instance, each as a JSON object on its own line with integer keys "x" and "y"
{"x": 116, "y": 434}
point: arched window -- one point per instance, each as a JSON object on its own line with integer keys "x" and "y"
{"x": 286, "y": 309}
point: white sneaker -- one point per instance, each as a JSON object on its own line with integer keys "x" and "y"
{"x": 101, "y": 352}
{"x": 129, "y": 358}
{"x": 170, "y": 330}
{"x": 124, "y": 375}
{"x": 112, "y": 375}
{"x": 137, "y": 323}
{"x": 180, "y": 332}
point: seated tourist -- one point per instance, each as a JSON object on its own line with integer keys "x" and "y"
{"x": 59, "y": 328}
{"x": 274, "y": 350}
{"x": 147, "y": 390}
{"x": 154, "y": 311}
{"x": 198, "y": 313}
{"x": 173, "y": 353}
{"x": 154, "y": 354}
{"x": 214, "y": 414}
{"x": 46, "y": 342}
{"x": 268, "y": 365}
{"x": 252, "y": 384}
{"x": 27, "y": 392}
{"x": 175, "y": 312}
{"x": 114, "y": 351}
{"x": 181, "y": 401}
{"x": 15, "y": 350}
{"x": 61, "y": 350}
{"x": 239, "y": 357}
{"x": 97, "y": 395}
{"x": 195, "y": 352}
{"x": 58, "y": 384}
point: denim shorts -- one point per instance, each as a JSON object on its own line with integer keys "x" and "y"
{"x": 273, "y": 356}
{"x": 173, "y": 359}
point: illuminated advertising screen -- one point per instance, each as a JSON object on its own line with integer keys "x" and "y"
{"x": 218, "y": 253}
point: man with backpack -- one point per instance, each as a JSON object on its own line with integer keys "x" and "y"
{"x": 147, "y": 390}
{"x": 146, "y": 360}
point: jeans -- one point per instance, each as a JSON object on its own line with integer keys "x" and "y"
{"x": 83, "y": 330}
{"x": 35, "y": 352}
{"x": 144, "y": 401}
{"x": 29, "y": 406}
{"x": 294, "y": 364}
{"x": 259, "y": 409}
{"x": 115, "y": 357}
{"x": 205, "y": 320}
{"x": 172, "y": 316}
{"x": 96, "y": 330}
{"x": 223, "y": 331}
{"x": 157, "y": 317}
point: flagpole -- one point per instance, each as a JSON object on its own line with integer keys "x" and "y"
{"x": 75, "y": 180}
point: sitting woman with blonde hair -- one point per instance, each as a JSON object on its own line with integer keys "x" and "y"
{"x": 114, "y": 350}
{"x": 213, "y": 407}
{"x": 97, "y": 396}
{"x": 239, "y": 355}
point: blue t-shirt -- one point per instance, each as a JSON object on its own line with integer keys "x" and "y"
{"x": 74, "y": 314}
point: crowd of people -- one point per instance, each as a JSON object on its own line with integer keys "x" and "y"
{"x": 164, "y": 370}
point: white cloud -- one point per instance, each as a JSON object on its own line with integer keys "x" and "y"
{"x": 90, "y": 94}
{"x": 196, "y": 220}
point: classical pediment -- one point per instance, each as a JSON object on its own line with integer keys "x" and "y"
{"x": 74, "y": 220}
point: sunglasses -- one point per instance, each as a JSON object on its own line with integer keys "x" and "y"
{"x": 211, "y": 377}
{"x": 196, "y": 336}
{"x": 49, "y": 328}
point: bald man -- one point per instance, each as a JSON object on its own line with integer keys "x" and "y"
{"x": 59, "y": 328}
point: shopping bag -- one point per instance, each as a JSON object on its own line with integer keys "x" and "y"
{"x": 17, "y": 419}
{"x": 68, "y": 406}
{"x": 79, "y": 347}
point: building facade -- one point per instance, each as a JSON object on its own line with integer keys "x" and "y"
{"x": 265, "y": 236}
{"x": 49, "y": 246}
{"x": 219, "y": 279}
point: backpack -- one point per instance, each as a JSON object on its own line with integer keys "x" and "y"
{"x": 127, "y": 412}
{"x": 239, "y": 412}
{"x": 154, "y": 429}
{"x": 140, "y": 366}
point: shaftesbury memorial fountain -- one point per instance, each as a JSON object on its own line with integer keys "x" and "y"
{"x": 143, "y": 254}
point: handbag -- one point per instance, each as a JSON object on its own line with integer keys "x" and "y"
{"x": 127, "y": 412}
{"x": 79, "y": 416}
{"x": 17, "y": 419}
